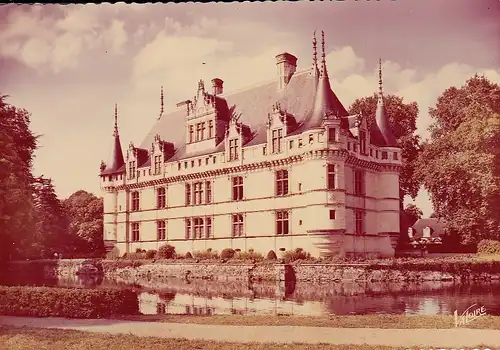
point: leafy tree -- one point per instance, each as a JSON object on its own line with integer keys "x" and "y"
{"x": 413, "y": 213}
{"x": 17, "y": 146}
{"x": 460, "y": 166}
{"x": 85, "y": 216}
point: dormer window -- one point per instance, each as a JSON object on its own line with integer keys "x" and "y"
{"x": 311, "y": 139}
{"x": 131, "y": 169}
{"x": 395, "y": 155}
{"x": 277, "y": 137}
{"x": 157, "y": 165}
{"x": 210, "y": 129}
{"x": 199, "y": 132}
{"x": 362, "y": 142}
{"x": 233, "y": 149}
{"x": 191, "y": 134}
{"x": 384, "y": 155}
{"x": 332, "y": 134}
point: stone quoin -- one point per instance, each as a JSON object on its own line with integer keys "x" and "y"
{"x": 277, "y": 166}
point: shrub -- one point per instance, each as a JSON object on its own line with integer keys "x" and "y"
{"x": 488, "y": 246}
{"x": 188, "y": 255}
{"x": 271, "y": 255}
{"x": 250, "y": 255}
{"x": 134, "y": 256}
{"x": 166, "y": 251}
{"x": 227, "y": 253}
{"x": 138, "y": 250}
{"x": 294, "y": 255}
{"x": 150, "y": 254}
{"x": 113, "y": 253}
{"x": 67, "y": 302}
{"x": 205, "y": 255}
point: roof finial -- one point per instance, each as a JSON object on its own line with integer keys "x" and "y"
{"x": 324, "y": 72}
{"x": 315, "y": 52}
{"x": 380, "y": 76}
{"x": 116, "y": 121}
{"x": 161, "y": 102}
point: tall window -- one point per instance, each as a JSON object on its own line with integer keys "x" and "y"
{"x": 191, "y": 134}
{"x": 384, "y": 154}
{"x": 359, "y": 177}
{"x": 161, "y": 230}
{"x": 208, "y": 192}
{"x": 188, "y": 228}
{"x": 233, "y": 149}
{"x": 237, "y": 188}
{"x": 199, "y": 135}
{"x": 237, "y": 225}
{"x": 362, "y": 142}
{"x": 188, "y": 194}
{"x": 210, "y": 129}
{"x": 135, "y": 201}
{"x": 161, "y": 198}
{"x": 198, "y": 228}
{"x": 282, "y": 223}
{"x": 332, "y": 137}
{"x": 135, "y": 232}
{"x": 131, "y": 170}
{"x": 331, "y": 177}
{"x": 281, "y": 182}
{"x": 277, "y": 137}
{"x": 360, "y": 225}
{"x": 203, "y": 128}
{"x": 198, "y": 193}
{"x": 208, "y": 227}
{"x": 157, "y": 165}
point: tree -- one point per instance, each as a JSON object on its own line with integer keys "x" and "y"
{"x": 460, "y": 165}
{"x": 413, "y": 213}
{"x": 402, "y": 119}
{"x": 17, "y": 146}
{"x": 85, "y": 215}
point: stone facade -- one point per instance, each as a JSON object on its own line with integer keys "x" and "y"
{"x": 276, "y": 167}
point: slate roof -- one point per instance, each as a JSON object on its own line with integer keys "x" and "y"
{"x": 116, "y": 163}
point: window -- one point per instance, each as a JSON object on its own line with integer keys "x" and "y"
{"x": 199, "y": 135}
{"x": 214, "y": 159}
{"x": 264, "y": 150}
{"x": 395, "y": 155}
{"x": 157, "y": 165}
{"x": 331, "y": 177}
{"x": 199, "y": 162}
{"x": 332, "y": 137}
{"x": 355, "y": 147}
{"x": 359, "y": 222}
{"x": 359, "y": 182}
{"x": 198, "y": 228}
{"x": 135, "y": 232}
{"x": 208, "y": 227}
{"x": 203, "y": 128}
{"x": 191, "y": 134}
{"x": 300, "y": 186}
{"x": 161, "y": 232}
{"x": 376, "y": 154}
{"x": 192, "y": 164}
{"x": 291, "y": 144}
{"x": 371, "y": 152}
{"x": 161, "y": 198}
{"x": 332, "y": 214}
{"x": 233, "y": 149}
{"x": 185, "y": 165}
{"x": 237, "y": 188}
{"x": 178, "y": 166}
{"x": 237, "y": 225}
{"x": 277, "y": 137}
{"x": 281, "y": 182}
{"x": 348, "y": 146}
{"x": 188, "y": 228}
{"x": 188, "y": 194}
{"x": 384, "y": 155}
{"x": 311, "y": 138}
{"x": 198, "y": 193}
{"x": 208, "y": 192}
{"x": 131, "y": 169}
{"x": 135, "y": 201}
{"x": 362, "y": 142}
{"x": 300, "y": 143}
{"x": 210, "y": 129}
{"x": 206, "y": 161}
{"x": 282, "y": 226}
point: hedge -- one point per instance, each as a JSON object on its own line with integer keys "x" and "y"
{"x": 67, "y": 302}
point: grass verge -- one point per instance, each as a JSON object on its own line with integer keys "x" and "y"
{"x": 54, "y": 339}
{"x": 361, "y": 321}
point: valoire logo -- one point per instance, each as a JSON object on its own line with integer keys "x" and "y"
{"x": 469, "y": 315}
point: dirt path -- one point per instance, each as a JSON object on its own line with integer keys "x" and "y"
{"x": 444, "y": 338}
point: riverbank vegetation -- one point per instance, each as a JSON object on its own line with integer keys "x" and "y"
{"x": 57, "y": 339}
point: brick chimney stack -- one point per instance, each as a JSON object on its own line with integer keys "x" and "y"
{"x": 286, "y": 64}
{"x": 217, "y": 86}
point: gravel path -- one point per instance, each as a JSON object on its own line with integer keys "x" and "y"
{"x": 444, "y": 338}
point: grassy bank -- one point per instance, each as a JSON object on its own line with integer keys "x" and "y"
{"x": 31, "y": 338}
{"x": 361, "y": 321}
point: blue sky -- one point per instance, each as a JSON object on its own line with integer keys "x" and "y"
{"x": 69, "y": 65}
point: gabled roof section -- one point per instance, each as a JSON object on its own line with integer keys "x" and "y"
{"x": 117, "y": 162}
{"x": 381, "y": 131}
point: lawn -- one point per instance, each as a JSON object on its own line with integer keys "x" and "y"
{"x": 361, "y": 321}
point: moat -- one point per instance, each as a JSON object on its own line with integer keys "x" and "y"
{"x": 203, "y": 297}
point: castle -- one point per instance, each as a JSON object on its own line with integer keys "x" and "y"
{"x": 278, "y": 166}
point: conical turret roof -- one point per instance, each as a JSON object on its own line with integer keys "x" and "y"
{"x": 381, "y": 131}
{"x": 117, "y": 161}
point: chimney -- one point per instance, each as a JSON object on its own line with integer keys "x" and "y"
{"x": 217, "y": 86}
{"x": 287, "y": 64}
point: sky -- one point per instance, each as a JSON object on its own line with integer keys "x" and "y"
{"x": 68, "y": 65}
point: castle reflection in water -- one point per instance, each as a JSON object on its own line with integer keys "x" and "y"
{"x": 202, "y": 297}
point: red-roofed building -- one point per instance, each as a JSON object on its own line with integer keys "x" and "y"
{"x": 281, "y": 165}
